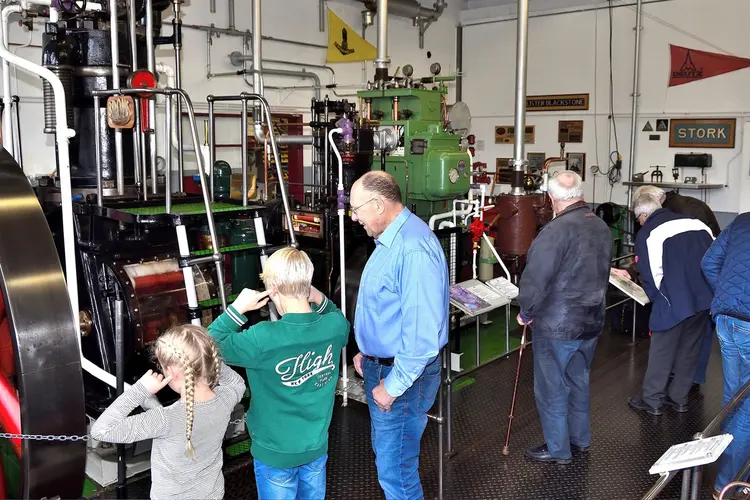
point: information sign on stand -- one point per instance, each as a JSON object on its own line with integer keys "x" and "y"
{"x": 692, "y": 454}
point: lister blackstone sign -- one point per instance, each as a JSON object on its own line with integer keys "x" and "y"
{"x": 702, "y": 133}
{"x": 562, "y": 102}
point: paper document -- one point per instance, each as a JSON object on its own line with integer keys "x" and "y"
{"x": 474, "y": 297}
{"x": 629, "y": 288}
{"x": 692, "y": 454}
{"x": 503, "y": 287}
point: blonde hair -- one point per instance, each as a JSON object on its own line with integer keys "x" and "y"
{"x": 190, "y": 348}
{"x": 289, "y": 270}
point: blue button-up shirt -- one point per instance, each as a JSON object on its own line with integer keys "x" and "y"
{"x": 402, "y": 306}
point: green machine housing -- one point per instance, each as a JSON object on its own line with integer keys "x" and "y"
{"x": 431, "y": 167}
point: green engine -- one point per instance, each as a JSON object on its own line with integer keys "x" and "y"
{"x": 424, "y": 154}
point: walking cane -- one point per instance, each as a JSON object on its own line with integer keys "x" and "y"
{"x": 506, "y": 450}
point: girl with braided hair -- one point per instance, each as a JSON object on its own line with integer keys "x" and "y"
{"x": 186, "y": 455}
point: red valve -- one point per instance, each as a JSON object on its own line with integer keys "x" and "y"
{"x": 476, "y": 229}
{"x": 473, "y": 152}
{"x": 471, "y": 139}
{"x": 143, "y": 79}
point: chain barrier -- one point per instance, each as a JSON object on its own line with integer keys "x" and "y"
{"x": 64, "y": 438}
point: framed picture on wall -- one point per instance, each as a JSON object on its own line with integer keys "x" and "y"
{"x": 536, "y": 161}
{"x": 577, "y": 163}
{"x": 502, "y": 171}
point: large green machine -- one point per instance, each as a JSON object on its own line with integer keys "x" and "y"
{"x": 426, "y": 156}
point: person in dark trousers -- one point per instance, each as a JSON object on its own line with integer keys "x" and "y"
{"x": 726, "y": 266}
{"x": 696, "y": 209}
{"x": 668, "y": 251}
{"x": 562, "y": 296}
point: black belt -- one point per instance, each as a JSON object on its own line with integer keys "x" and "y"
{"x": 380, "y": 361}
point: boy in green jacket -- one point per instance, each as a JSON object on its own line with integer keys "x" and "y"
{"x": 292, "y": 368}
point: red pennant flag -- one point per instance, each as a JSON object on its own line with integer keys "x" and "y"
{"x": 690, "y": 65}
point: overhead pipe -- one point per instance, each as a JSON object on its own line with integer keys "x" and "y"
{"x": 283, "y": 72}
{"x": 231, "y": 14}
{"x": 382, "y": 61}
{"x": 258, "y": 66}
{"x": 522, "y": 45}
{"x": 634, "y": 111}
{"x": 243, "y": 34}
{"x": 407, "y": 8}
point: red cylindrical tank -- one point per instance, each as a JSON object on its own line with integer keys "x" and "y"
{"x": 515, "y": 223}
{"x": 543, "y": 209}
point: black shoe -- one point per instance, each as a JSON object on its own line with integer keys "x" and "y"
{"x": 637, "y": 403}
{"x": 695, "y": 388}
{"x": 676, "y": 407}
{"x": 541, "y": 454}
{"x": 578, "y": 449}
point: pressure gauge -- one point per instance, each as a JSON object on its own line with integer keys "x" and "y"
{"x": 453, "y": 175}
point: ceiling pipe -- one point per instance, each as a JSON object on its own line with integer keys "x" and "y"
{"x": 522, "y": 45}
{"x": 408, "y": 8}
{"x": 411, "y": 9}
{"x": 382, "y": 61}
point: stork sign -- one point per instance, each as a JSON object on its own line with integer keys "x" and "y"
{"x": 344, "y": 44}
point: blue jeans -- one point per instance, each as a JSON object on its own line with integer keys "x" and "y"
{"x": 396, "y": 434}
{"x": 561, "y": 389}
{"x": 734, "y": 337}
{"x": 306, "y": 482}
{"x": 706, "y": 348}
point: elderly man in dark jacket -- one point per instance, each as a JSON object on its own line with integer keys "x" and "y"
{"x": 562, "y": 296}
{"x": 726, "y": 266}
{"x": 696, "y": 209}
{"x": 668, "y": 251}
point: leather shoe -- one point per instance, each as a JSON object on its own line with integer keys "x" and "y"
{"x": 675, "y": 406}
{"x": 637, "y": 403}
{"x": 578, "y": 449}
{"x": 542, "y": 454}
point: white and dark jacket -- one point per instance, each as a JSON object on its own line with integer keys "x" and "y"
{"x": 668, "y": 251}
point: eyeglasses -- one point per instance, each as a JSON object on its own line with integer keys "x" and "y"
{"x": 354, "y": 210}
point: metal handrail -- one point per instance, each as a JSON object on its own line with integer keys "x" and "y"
{"x": 710, "y": 428}
{"x": 244, "y": 97}
{"x": 217, "y": 257}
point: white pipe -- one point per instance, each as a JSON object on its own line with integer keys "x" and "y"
{"x": 90, "y": 6}
{"x": 151, "y": 66}
{"x": 342, "y": 256}
{"x": 8, "y": 142}
{"x": 62, "y": 137}
{"x": 114, "y": 42}
{"x": 168, "y": 70}
{"x": 497, "y": 256}
{"x": 257, "y": 39}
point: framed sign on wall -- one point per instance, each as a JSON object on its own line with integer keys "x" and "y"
{"x": 703, "y": 133}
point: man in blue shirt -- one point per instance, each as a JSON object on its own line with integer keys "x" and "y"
{"x": 401, "y": 323}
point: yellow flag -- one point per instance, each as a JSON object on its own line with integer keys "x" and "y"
{"x": 344, "y": 44}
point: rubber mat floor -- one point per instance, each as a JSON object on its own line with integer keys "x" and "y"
{"x": 625, "y": 443}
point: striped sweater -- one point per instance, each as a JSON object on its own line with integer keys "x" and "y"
{"x": 173, "y": 475}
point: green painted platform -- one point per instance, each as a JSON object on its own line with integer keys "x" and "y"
{"x": 230, "y": 249}
{"x": 187, "y": 209}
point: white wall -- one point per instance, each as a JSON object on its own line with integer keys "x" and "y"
{"x": 569, "y": 53}
{"x": 288, "y": 19}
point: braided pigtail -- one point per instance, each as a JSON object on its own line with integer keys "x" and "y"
{"x": 212, "y": 375}
{"x": 189, "y": 407}
{"x": 192, "y": 349}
